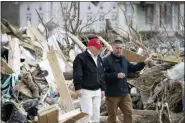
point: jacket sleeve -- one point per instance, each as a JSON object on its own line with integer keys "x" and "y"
{"x": 109, "y": 75}
{"x": 102, "y": 77}
{"x": 132, "y": 68}
{"x": 78, "y": 72}
{"x": 102, "y": 84}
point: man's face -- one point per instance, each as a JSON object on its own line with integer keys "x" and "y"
{"x": 117, "y": 49}
{"x": 95, "y": 50}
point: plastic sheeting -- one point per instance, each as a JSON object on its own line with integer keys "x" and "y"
{"x": 44, "y": 65}
{"x": 177, "y": 73}
{"x": 27, "y": 54}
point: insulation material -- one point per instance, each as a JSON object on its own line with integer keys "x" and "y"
{"x": 52, "y": 41}
{"x": 26, "y": 54}
{"x": 177, "y": 72}
{"x": 44, "y": 65}
{"x": 4, "y": 38}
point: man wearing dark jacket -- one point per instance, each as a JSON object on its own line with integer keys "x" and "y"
{"x": 88, "y": 73}
{"x": 117, "y": 94}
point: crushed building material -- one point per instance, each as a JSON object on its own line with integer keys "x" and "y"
{"x": 37, "y": 74}
{"x": 49, "y": 115}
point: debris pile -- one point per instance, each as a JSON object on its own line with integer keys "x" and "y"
{"x": 37, "y": 83}
{"x": 154, "y": 91}
{"x": 31, "y": 86}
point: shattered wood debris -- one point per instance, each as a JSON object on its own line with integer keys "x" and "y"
{"x": 37, "y": 81}
{"x": 30, "y": 80}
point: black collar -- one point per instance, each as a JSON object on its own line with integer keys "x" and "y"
{"x": 115, "y": 57}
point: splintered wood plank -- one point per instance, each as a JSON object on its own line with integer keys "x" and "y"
{"x": 14, "y": 54}
{"x": 165, "y": 58}
{"x": 7, "y": 67}
{"x": 109, "y": 47}
{"x": 34, "y": 33}
{"x": 77, "y": 41}
{"x": 65, "y": 98}
{"x": 132, "y": 56}
{"x": 72, "y": 116}
{"x": 49, "y": 115}
{"x": 62, "y": 56}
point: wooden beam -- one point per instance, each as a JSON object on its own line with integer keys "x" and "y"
{"x": 34, "y": 33}
{"x": 177, "y": 52}
{"x": 52, "y": 41}
{"x": 14, "y": 54}
{"x": 165, "y": 58}
{"x": 65, "y": 98}
{"x": 109, "y": 47}
{"x": 71, "y": 116}
{"x": 62, "y": 56}
{"x": 8, "y": 69}
{"x": 31, "y": 63}
{"x": 132, "y": 56}
{"x": 77, "y": 41}
{"x": 49, "y": 115}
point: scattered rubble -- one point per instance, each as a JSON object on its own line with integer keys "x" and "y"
{"x": 33, "y": 86}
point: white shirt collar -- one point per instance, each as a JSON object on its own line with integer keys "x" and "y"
{"x": 91, "y": 54}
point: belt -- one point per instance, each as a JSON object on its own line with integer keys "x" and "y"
{"x": 93, "y": 89}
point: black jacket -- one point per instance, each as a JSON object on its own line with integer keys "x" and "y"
{"x": 113, "y": 65}
{"x": 86, "y": 74}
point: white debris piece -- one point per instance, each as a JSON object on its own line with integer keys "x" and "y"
{"x": 177, "y": 73}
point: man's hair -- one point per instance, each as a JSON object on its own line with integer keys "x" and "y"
{"x": 117, "y": 42}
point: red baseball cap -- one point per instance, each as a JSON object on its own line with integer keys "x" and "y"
{"x": 95, "y": 42}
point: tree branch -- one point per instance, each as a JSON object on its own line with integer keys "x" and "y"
{"x": 92, "y": 22}
{"x": 43, "y": 24}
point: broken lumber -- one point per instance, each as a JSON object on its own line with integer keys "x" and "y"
{"x": 31, "y": 63}
{"x": 132, "y": 56}
{"x": 62, "y": 56}
{"x": 14, "y": 54}
{"x": 34, "y": 33}
{"x": 52, "y": 41}
{"x": 7, "y": 67}
{"x": 109, "y": 47}
{"x": 77, "y": 41}
{"x": 65, "y": 98}
{"x": 72, "y": 116}
{"x": 165, "y": 58}
{"x": 48, "y": 115}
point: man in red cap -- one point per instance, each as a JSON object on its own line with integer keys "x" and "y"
{"x": 88, "y": 79}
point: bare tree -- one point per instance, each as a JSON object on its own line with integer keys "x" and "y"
{"x": 138, "y": 40}
{"x": 71, "y": 16}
